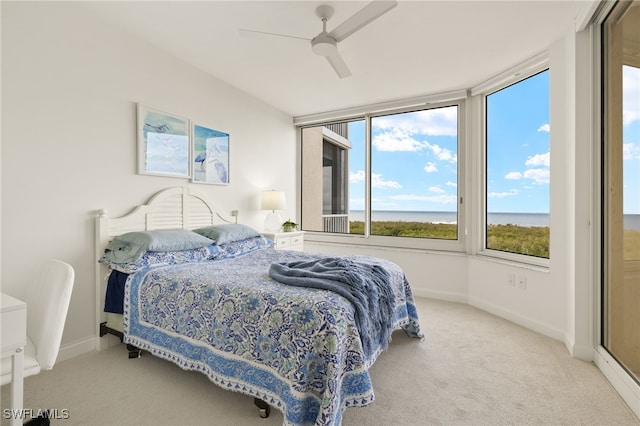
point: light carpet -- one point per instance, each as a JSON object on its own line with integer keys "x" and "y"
{"x": 473, "y": 368}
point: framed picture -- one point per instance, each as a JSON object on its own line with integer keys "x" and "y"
{"x": 163, "y": 143}
{"x": 210, "y": 156}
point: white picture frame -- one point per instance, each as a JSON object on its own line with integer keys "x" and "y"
{"x": 210, "y": 153}
{"x": 164, "y": 145}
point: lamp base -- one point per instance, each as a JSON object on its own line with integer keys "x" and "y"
{"x": 273, "y": 222}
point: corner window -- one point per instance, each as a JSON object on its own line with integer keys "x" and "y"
{"x": 391, "y": 178}
{"x": 517, "y": 167}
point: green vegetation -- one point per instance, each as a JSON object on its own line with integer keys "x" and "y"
{"x": 529, "y": 240}
{"x": 533, "y": 241}
{"x": 408, "y": 229}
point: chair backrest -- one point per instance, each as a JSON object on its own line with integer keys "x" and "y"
{"x": 48, "y": 296}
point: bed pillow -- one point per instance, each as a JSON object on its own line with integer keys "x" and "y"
{"x": 131, "y": 246}
{"x": 163, "y": 258}
{"x": 238, "y": 248}
{"x": 228, "y": 233}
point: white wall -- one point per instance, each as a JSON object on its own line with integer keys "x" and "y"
{"x": 70, "y": 84}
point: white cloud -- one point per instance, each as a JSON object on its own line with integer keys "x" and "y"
{"x": 630, "y": 97}
{"x": 442, "y": 153}
{"x": 453, "y": 184}
{"x": 356, "y": 177}
{"x": 510, "y": 193}
{"x": 443, "y": 199}
{"x": 437, "y": 190}
{"x": 376, "y": 180}
{"x": 539, "y": 176}
{"x": 402, "y": 140}
{"x": 538, "y": 160}
{"x": 381, "y": 204}
{"x": 430, "y": 167}
{"x": 513, "y": 175}
{"x": 544, "y": 128}
{"x": 397, "y": 140}
{"x": 439, "y": 199}
{"x": 630, "y": 151}
{"x": 431, "y": 122}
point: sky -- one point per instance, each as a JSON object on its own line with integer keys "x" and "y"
{"x": 631, "y": 139}
{"x": 414, "y": 155}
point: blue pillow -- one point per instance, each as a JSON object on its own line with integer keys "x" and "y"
{"x": 161, "y": 258}
{"x": 131, "y": 246}
{"x": 238, "y": 248}
{"x": 228, "y": 233}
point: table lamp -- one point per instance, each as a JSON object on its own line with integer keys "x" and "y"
{"x": 273, "y": 200}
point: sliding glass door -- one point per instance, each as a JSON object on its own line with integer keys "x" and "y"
{"x": 621, "y": 186}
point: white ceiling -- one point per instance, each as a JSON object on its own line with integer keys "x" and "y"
{"x": 417, "y": 48}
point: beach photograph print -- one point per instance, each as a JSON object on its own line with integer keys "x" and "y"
{"x": 210, "y": 156}
{"x": 163, "y": 143}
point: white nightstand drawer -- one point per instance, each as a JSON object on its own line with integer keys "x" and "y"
{"x": 287, "y": 240}
{"x": 282, "y": 242}
{"x": 296, "y": 242}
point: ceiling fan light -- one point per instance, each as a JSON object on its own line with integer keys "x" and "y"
{"x": 323, "y": 45}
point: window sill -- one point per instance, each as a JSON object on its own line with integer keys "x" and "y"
{"x": 441, "y": 247}
{"x": 397, "y": 243}
{"x": 519, "y": 260}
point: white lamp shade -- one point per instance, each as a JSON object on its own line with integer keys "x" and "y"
{"x": 273, "y": 200}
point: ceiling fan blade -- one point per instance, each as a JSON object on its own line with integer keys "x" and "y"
{"x": 364, "y": 16}
{"x": 339, "y": 65}
{"x": 253, "y": 33}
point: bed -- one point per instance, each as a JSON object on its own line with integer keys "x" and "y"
{"x": 252, "y": 318}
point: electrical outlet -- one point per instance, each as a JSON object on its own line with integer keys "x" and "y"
{"x": 522, "y": 282}
{"x": 511, "y": 280}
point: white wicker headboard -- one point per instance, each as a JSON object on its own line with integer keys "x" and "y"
{"x": 172, "y": 208}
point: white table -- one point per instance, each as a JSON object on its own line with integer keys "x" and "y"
{"x": 14, "y": 338}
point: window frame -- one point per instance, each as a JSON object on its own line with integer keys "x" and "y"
{"x": 366, "y": 113}
{"x": 514, "y": 75}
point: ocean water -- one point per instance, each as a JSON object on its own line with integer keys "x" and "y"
{"x": 631, "y": 221}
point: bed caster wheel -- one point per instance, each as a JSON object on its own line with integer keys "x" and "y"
{"x": 264, "y": 412}
{"x": 263, "y": 407}
{"x": 134, "y": 352}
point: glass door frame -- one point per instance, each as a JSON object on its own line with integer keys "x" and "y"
{"x": 621, "y": 379}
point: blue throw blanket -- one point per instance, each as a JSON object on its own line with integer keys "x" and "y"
{"x": 367, "y": 287}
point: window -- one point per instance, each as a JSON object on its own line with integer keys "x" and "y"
{"x": 329, "y": 152}
{"x": 414, "y": 174}
{"x": 386, "y": 175}
{"x": 517, "y": 167}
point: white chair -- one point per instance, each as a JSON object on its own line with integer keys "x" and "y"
{"x": 48, "y": 295}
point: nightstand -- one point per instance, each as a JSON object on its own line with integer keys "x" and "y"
{"x": 293, "y": 240}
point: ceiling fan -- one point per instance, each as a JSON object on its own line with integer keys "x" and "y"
{"x": 326, "y": 43}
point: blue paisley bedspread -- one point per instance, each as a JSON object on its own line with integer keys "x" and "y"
{"x": 297, "y": 349}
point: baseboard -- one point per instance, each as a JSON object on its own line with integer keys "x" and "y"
{"x": 439, "y": 295}
{"x": 582, "y": 352}
{"x": 71, "y": 350}
{"x": 519, "y": 319}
